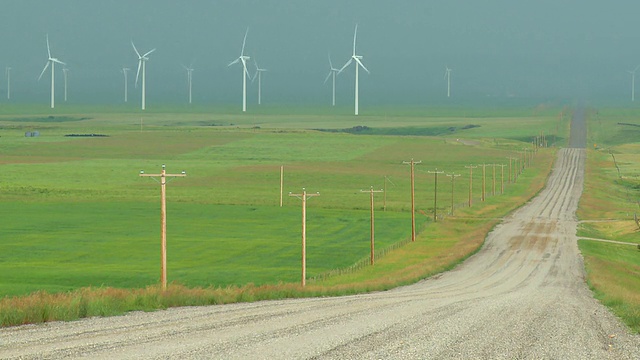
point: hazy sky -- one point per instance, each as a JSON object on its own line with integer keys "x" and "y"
{"x": 496, "y": 48}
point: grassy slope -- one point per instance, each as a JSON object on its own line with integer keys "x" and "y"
{"x": 606, "y": 209}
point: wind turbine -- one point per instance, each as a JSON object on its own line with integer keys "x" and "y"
{"x": 633, "y": 83}
{"x": 447, "y": 75}
{"x": 142, "y": 60}
{"x": 51, "y": 61}
{"x": 258, "y": 74}
{"x": 189, "y": 79}
{"x": 332, "y": 74}
{"x": 358, "y": 61}
{"x": 126, "y": 88}
{"x": 245, "y": 73}
{"x": 65, "y": 71}
{"x": 8, "y": 72}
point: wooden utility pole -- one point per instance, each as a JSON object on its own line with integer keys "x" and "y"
{"x": 502, "y": 178}
{"x": 493, "y": 190}
{"x": 281, "y": 182}
{"x": 510, "y": 168}
{"x": 163, "y": 219}
{"x": 484, "y": 179}
{"x": 373, "y": 249}
{"x": 435, "y": 194}
{"x": 470, "y": 167}
{"x": 453, "y": 180}
{"x": 413, "y": 203}
{"x": 304, "y": 197}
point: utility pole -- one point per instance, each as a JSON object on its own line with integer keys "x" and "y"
{"x": 453, "y": 180}
{"x": 281, "y": 182}
{"x": 435, "y": 194}
{"x": 483, "y": 181}
{"x": 413, "y": 203}
{"x": 163, "y": 219}
{"x": 470, "y": 167}
{"x": 373, "y": 250}
{"x": 510, "y": 169}
{"x": 502, "y": 178}
{"x": 493, "y": 190}
{"x": 304, "y": 197}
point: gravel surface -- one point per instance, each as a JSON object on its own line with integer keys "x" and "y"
{"x": 523, "y": 296}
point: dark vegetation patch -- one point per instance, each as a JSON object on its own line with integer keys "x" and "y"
{"x": 48, "y": 119}
{"x": 86, "y": 135}
{"x": 414, "y": 131}
{"x": 628, "y": 124}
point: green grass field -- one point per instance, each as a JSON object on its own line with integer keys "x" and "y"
{"x": 77, "y": 214}
{"x": 607, "y": 207}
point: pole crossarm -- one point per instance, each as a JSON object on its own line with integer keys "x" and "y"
{"x": 373, "y": 251}
{"x": 413, "y": 203}
{"x": 304, "y": 197}
{"x": 163, "y": 219}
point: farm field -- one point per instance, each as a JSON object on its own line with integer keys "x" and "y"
{"x": 76, "y": 213}
{"x": 607, "y": 208}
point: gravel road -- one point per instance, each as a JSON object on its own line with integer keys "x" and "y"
{"x": 523, "y": 296}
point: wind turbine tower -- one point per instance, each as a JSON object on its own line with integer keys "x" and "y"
{"x": 332, "y": 74}
{"x": 65, "y": 72}
{"x": 245, "y": 73}
{"x": 142, "y": 60}
{"x": 126, "y": 86}
{"x": 8, "y": 72}
{"x": 258, "y": 74}
{"x": 633, "y": 82}
{"x": 447, "y": 75}
{"x": 51, "y": 61}
{"x": 358, "y": 60}
{"x": 189, "y": 79}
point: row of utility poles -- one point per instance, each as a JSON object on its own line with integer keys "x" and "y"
{"x": 516, "y": 167}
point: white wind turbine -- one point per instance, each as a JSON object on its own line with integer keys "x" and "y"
{"x": 245, "y": 73}
{"x": 65, "y": 72}
{"x": 189, "y": 79}
{"x": 358, "y": 61}
{"x": 8, "y": 72}
{"x": 126, "y": 86}
{"x": 332, "y": 74}
{"x": 51, "y": 61}
{"x": 258, "y": 74}
{"x": 633, "y": 82}
{"x": 142, "y": 60}
{"x": 447, "y": 75}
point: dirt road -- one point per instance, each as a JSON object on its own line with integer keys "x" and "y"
{"x": 522, "y": 296}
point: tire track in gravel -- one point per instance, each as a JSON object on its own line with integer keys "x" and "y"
{"x": 521, "y": 296}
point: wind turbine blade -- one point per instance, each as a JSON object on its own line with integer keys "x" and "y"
{"x": 58, "y": 61}
{"x": 255, "y": 76}
{"x": 636, "y": 69}
{"x": 361, "y": 64}
{"x": 234, "y": 62}
{"x": 148, "y": 52}
{"x": 244, "y": 41}
{"x": 345, "y": 65}
{"x": 244, "y": 65}
{"x": 43, "y": 70}
{"x": 328, "y": 76}
{"x": 48, "y": 48}
{"x": 355, "y": 33}
{"x": 138, "y": 72}
{"x": 330, "y": 63}
{"x": 134, "y": 49}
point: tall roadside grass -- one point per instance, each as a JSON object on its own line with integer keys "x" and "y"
{"x": 438, "y": 248}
